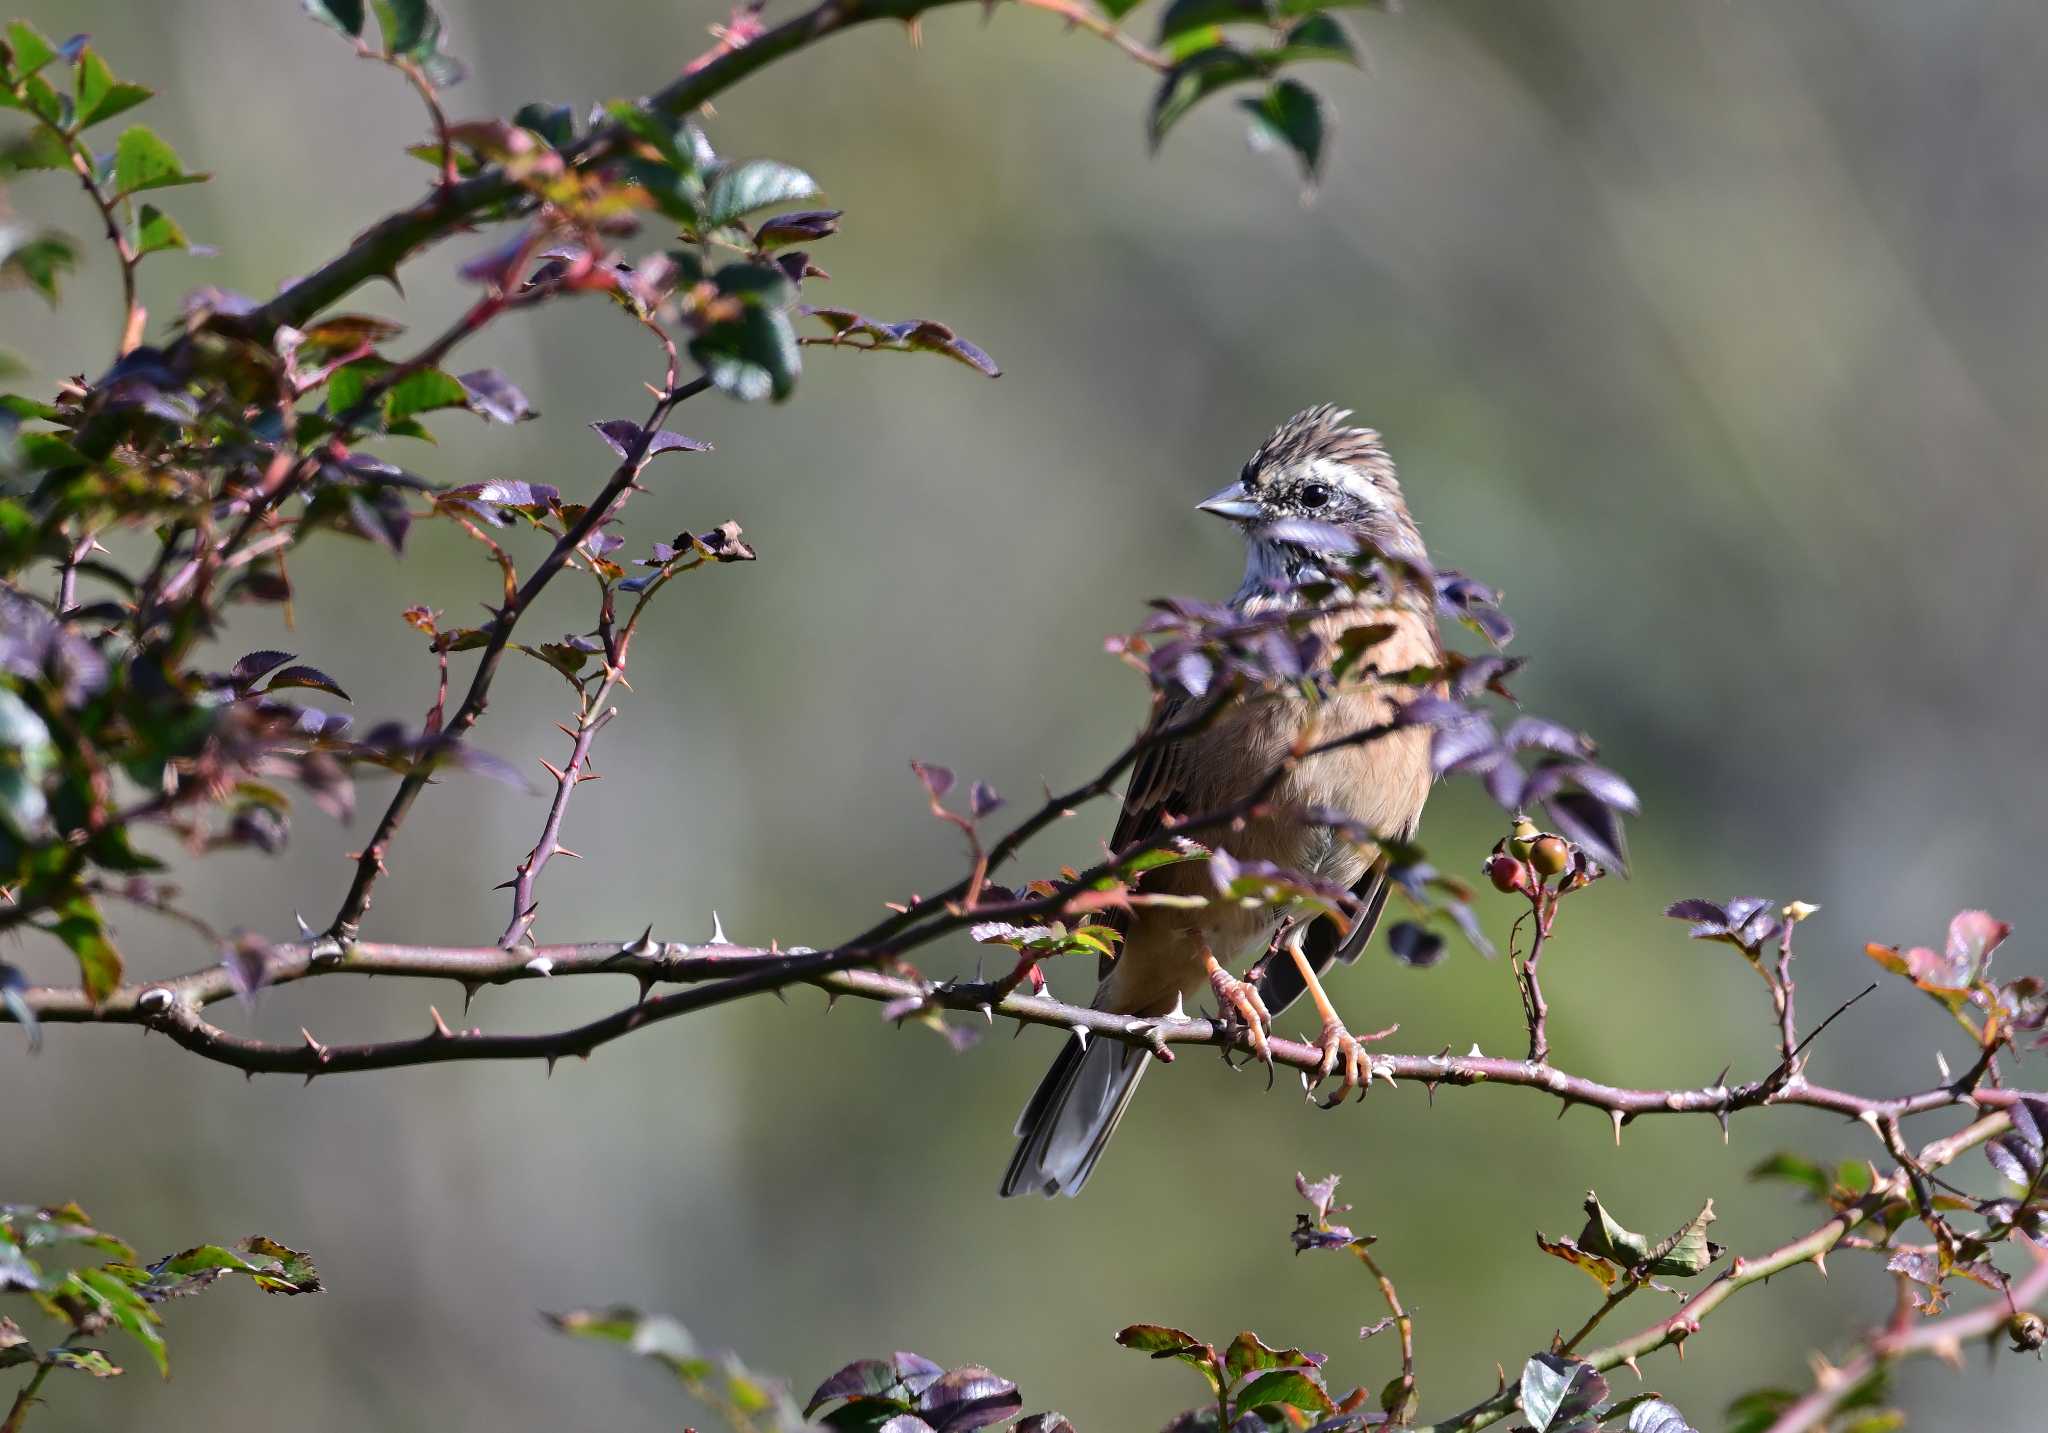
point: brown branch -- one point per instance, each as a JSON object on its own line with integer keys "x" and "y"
{"x": 1404, "y": 1322}
{"x": 727, "y": 972}
{"x": 370, "y": 862}
{"x": 1739, "y": 1275}
{"x": 380, "y": 249}
{"x": 594, "y": 714}
{"x": 1940, "y": 1337}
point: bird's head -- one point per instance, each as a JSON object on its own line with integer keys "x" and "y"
{"x": 1320, "y": 487}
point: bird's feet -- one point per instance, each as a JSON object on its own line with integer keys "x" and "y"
{"x": 1346, "y": 1051}
{"x": 1242, "y": 1011}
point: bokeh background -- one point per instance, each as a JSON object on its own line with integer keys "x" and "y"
{"x": 1711, "y": 333}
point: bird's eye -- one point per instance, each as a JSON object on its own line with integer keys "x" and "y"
{"x": 1314, "y": 495}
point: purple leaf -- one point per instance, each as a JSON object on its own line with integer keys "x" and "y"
{"x": 2014, "y": 1159}
{"x": 493, "y": 396}
{"x": 1606, "y": 786}
{"x": 668, "y": 442}
{"x": 252, "y": 666}
{"x": 1701, "y": 912}
{"x": 1321, "y": 1194}
{"x": 982, "y": 800}
{"x": 1545, "y": 735}
{"x": 966, "y": 1398}
{"x": 623, "y": 436}
{"x": 1415, "y": 945}
{"x": 1431, "y": 710}
{"x": 938, "y": 780}
{"x": 1592, "y": 824}
{"x": 1468, "y": 743}
{"x": 311, "y": 677}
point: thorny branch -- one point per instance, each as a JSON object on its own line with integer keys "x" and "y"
{"x": 1813, "y": 1248}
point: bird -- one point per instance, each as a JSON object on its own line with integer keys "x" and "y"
{"x": 1314, "y": 492}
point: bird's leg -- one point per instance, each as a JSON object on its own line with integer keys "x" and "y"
{"x": 1336, "y": 1042}
{"x": 1238, "y": 1001}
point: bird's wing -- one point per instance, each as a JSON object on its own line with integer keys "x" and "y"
{"x": 1280, "y": 985}
{"x": 1158, "y": 785}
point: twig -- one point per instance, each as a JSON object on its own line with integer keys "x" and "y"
{"x": 1404, "y": 1322}
{"x": 1742, "y": 1273}
{"x": 1940, "y": 1337}
{"x": 370, "y": 862}
{"x": 1781, "y": 996}
{"x": 380, "y": 249}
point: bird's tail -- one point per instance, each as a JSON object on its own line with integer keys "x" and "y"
{"x": 1071, "y": 1116}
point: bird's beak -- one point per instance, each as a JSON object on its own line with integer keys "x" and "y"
{"x": 1231, "y": 503}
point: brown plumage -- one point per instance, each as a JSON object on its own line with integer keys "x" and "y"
{"x": 1314, "y": 469}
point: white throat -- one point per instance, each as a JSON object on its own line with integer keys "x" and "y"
{"x": 1272, "y": 572}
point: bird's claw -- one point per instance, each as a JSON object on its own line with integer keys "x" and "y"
{"x": 1242, "y": 1010}
{"x": 1342, "y": 1048}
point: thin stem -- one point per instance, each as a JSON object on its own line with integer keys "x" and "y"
{"x": 1741, "y": 1274}
{"x": 1614, "y": 1298}
{"x": 1781, "y": 996}
{"x": 370, "y": 862}
{"x": 380, "y": 249}
{"x": 1941, "y": 1337}
{"x": 1404, "y": 1322}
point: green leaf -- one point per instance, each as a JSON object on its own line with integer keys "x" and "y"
{"x": 143, "y": 161}
{"x": 405, "y": 24}
{"x": 1757, "y": 1410}
{"x": 764, "y": 285}
{"x": 1795, "y": 1169}
{"x": 1599, "y": 1270}
{"x": 1163, "y": 1342}
{"x": 1195, "y": 79}
{"x": 112, "y": 1290}
{"x": 1289, "y": 113}
{"x": 1319, "y": 37}
{"x": 1292, "y": 1387}
{"x": 347, "y": 384}
{"x": 38, "y": 261}
{"x": 752, "y": 357}
{"x": 82, "y": 1360}
{"x": 1117, "y": 9}
{"x": 31, "y": 51}
{"x": 654, "y": 1336}
{"x": 412, "y": 31}
{"x": 32, "y": 1226}
{"x": 1247, "y": 1354}
{"x": 37, "y": 148}
{"x": 555, "y": 123}
{"x": 422, "y": 391}
{"x": 80, "y": 926}
{"x": 1557, "y": 1391}
{"x": 156, "y": 230}
{"x": 756, "y": 184}
{"x": 343, "y": 15}
{"x": 100, "y": 95}
{"x": 268, "y": 1264}
{"x": 1183, "y": 16}
{"x": 1680, "y": 1254}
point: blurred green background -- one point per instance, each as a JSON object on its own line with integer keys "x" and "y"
{"x": 1711, "y": 333}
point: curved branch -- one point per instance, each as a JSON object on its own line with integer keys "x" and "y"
{"x": 379, "y": 250}
{"x": 720, "y": 972}
{"x": 1739, "y": 1275}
